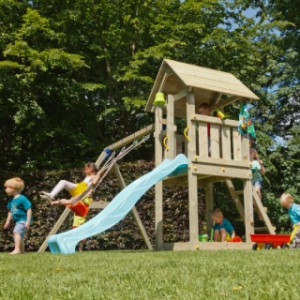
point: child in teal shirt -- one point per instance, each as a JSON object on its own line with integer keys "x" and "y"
{"x": 287, "y": 201}
{"x": 19, "y": 210}
{"x": 223, "y": 229}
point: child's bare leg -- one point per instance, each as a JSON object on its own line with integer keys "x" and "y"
{"x": 18, "y": 244}
{"x": 223, "y": 235}
{"x": 216, "y": 235}
{"x": 65, "y": 201}
{"x": 258, "y": 191}
{"x": 62, "y": 185}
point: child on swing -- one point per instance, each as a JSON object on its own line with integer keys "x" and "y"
{"x": 91, "y": 179}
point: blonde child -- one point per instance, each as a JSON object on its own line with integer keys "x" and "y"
{"x": 287, "y": 201}
{"x": 91, "y": 178}
{"x": 222, "y": 227}
{"x": 19, "y": 210}
{"x": 258, "y": 169}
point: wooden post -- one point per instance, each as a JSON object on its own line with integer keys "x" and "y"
{"x": 192, "y": 179}
{"x": 134, "y": 212}
{"x": 159, "y": 185}
{"x": 263, "y": 213}
{"x": 170, "y": 153}
{"x": 209, "y": 203}
{"x": 54, "y": 230}
{"x": 248, "y": 204}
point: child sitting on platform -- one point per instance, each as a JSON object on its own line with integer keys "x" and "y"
{"x": 223, "y": 229}
{"x": 92, "y": 177}
{"x": 287, "y": 201}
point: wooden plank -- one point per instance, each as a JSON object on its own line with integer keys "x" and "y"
{"x": 171, "y": 129}
{"x": 245, "y": 149}
{"x": 214, "y": 120}
{"x": 226, "y": 142}
{"x": 236, "y": 200}
{"x": 237, "y": 144}
{"x": 248, "y": 207}
{"x": 188, "y": 246}
{"x": 221, "y": 162}
{"x": 215, "y": 140}
{"x": 100, "y": 159}
{"x": 226, "y": 102}
{"x": 216, "y": 86}
{"x": 229, "y": 172}
{"x": 54, "y": 230}
{"x": 159, "y": 185}
{"x": 183, "y": 93}
{"x": 209, "y": 205}
{"x": 134, "y": 212}
{"x": 262, "y": 212}
{"x": 203, "y": 140}
{"x": 133, "y": 137}
{"x": 192, "y": 179}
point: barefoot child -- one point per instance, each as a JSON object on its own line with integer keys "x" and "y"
{"x": 223, "y": 228}
{"x": 258, "y": 169}
{"x": 287, "y": 201}
{"x": 92, "y": 177}
{"x": 19, "y": 210}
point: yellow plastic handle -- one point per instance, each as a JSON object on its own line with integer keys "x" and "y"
{"x": 165, "y": 142}
{"x": 185, "y": 133}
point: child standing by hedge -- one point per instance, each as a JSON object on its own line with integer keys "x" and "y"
{"x": 19, "y": 210}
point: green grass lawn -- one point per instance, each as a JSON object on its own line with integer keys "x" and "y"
{"x": 272, "y": 274}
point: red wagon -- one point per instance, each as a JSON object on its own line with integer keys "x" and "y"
{"x": 270, "y": 241}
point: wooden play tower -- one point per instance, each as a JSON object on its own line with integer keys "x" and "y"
{"x": 222, "y": 156}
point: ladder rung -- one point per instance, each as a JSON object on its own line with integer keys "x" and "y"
{"x": 240, "y": 192}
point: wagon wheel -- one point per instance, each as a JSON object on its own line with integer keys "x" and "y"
{"x": 254, "y": 247}
{"x": 269, "y": 246}
{"x": 285, "y": 246}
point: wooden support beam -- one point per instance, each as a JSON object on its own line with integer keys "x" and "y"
{"x": 262, "y": 212}
{"x": 171, "y": 129}
{"x": 131, "y": 138}
{"x": 226, "y": 102}
{"x": 221, "y": 162}
{"x": 100, "y": 159}
{"x": 220, "y": 171}
{"x": 235, "y": 198}
{"x": 134, "y": 212}
{"x": 209, "y": 203}
{"x": 192, "y": 178}
{"x": 183, "y": 93}
{"x": 159, "y": 185}
{"x": 213, "y": 120}
{"x": 188, "y": 246}
{"x": 54, "y": 230}
{"x": 248, "y": 206}
{"x": 215, "y": 100}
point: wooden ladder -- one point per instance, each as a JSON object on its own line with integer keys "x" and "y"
{"x": 260, "y": 209}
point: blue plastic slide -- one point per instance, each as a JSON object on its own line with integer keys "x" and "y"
{"x": 118, "y": 208}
